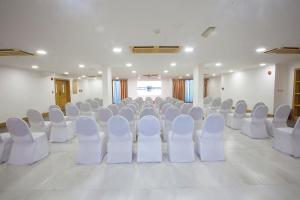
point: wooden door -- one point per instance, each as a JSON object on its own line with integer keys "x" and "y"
{"x": 62, "y": 92}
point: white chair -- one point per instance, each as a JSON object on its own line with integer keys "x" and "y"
{"x": 209, "y": 140}
{"x": 178, "y": 104}
{"x": 61, "y": 130}
{"x": 73, "y": 114}
{"x": 94, "y": 105}
{"x": 197, "y": 114}
{"x": 114, "y": 109}
{"x": 54, "y": 106}
{"x": 254, "y": 107}
{"x": 99, "y": 101}
{"x": 86, "y": 110}
{"x": 280, "y": 118}
{"x": 5, "y": 146}
{"x": 119, "y": 146}
{"x": 27, "y": 148}
{"x": 235, "y": 120}
{"x": 149, "y": 142}
{"x": 255, "y": 127}
{"x": 180, "y": 141}
{"x": 78, "y": 104}
{"x": 185, "y": 108}
{"x": 37, "y": 122}
{"x": 102, "y": 117}
{"x": 225, "y": 108}
{"x": 215, "y": 105}
{"x": 129, "y": 115}
{"x": 170, "y": 114}
{"x": 148, "y": 111}
{"x": 287, "y": 140}
{"x": 134, "y": 109}
{"x": 92, "y": 143}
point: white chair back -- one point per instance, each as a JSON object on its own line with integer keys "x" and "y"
{"x": 281, "y": 114}
{"x": 54, "y": 106}
{"x": 35, "y": 117}
{"x": 185, "y": 108}
{"x": 72, "y": 110}
{"x": 148, "y": 111}
{"x": 99, "y": 101}
{"x": 85, "y": 107}
{"x": 149, "y": 126}
{"x": 196, "y": 113}
{"x": 103, "y": 114}
{"x": 207, "y": 100}
{"x": 78, "y": 104}
{"x": 255, "y": 106}
{"x": 260, "y": 114}
{"x": 133, "y": 107}
{"x": 56, "y": 117}
{"x": 127, "y": 113}
{"x": 114, "y": 109}
{"x": 216, "y": 103}
{"x": 164, "y": 107}
{"x": 213, "y": 126}
{"x": 171, "y": 113}
{"x": 240, "y": 101}
{"x": 87, "y": 128}
{"x": 19, "y": 130}
{"x": 240, "y": 110}
{"x": 183, "y": 125}
{"x": 94, "y": 105}
{"x": 118, "y": 126}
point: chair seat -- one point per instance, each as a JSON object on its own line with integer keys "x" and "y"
{"x": 285, "y": 130}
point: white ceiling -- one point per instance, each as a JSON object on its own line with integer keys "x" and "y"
{"x": 77, "y": 32}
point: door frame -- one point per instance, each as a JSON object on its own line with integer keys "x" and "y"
{"x": 68, "y": 90}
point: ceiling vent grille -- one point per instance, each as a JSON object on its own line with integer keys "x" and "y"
{"x": 151, "y": 75}
{"x": 155, "y": 49}
{"x": 14, "y": 52}
{"x": 285, "y": 50}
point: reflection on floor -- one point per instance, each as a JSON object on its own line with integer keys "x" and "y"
{"x": 253, "y": 170}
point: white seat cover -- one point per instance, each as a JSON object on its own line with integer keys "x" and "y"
{"x": 92, "y": 145}
{"x": 148, "y": 111}
{"x": 149, "y": 142}
{"x": 102, "y": 117}
{"x": 37, "y": 122}
{"x": 281, "y": 115}
{"x": 114, "y": 109}
{"x": 235, "y": 120}
{"x": 26, "y": 148}
{"x": 170, "y": 114}
{"x": 5, "y": 146}
{"x": 185, "y": 108}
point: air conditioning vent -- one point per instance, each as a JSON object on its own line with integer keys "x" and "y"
{"x": 155, "y": 49}
{"x": 151, "y": 75}
{"x": 285, "y": 50}
{"x": 14, "y": 52}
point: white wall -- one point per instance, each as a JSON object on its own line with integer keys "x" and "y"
{"x": 166, "y": 87}
{"x": 252, "y": 85}
{"x": 214, "y": 87}
{"x": 23, "y": 89}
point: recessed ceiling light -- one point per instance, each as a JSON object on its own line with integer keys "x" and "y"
{"x": 213, "y": 74}
{"x": 261, "y": 49}
{"x": 188, "y": 49}
{"x": 117, "y": 49}
{"x": 34, "y": 67}
{"x": 81, "y": 66}
{"x": 187, "y": 74}
{"x": 139, "y": 78}
{"x": 100, "y": 72}
{"x": 180, "y": 77}
{"x": 83, "y": 76}
{"x": 173, "y": 64}
{"x": 133, "y": 71}
{"x": 231, "y": 71}
{"x": 166, "y": 71}
{"x": 262, "y": 64}
{"x": 66, "y": 73}
{"x": 128, "y": 65}
{"x": 218, "y": 64}
{"x": 117, "y": 78}
{"x": 79, "y": 78}
{"x": 41, "y": 52}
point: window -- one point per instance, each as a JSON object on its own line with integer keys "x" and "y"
{"x": 188, "y": 96}
{"x": 116, "y": 91}
{"x": 149, "y": 88}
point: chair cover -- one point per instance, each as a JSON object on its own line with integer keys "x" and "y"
{"x": 54, "y": 106}
{"x": 209, "y": 140}
{"x": 92, "y": 143}
{"x": 119, "y": 147}
{"x": 282, "y": 113}
{"x": 26, "y": 148}
{"x": 85, "y": 109}
{"x": 255, "y": 127}
{"x": 114, "y": 109}
{"x": 61, "y": 130}
{"x": 102, "y": 117}
{"x": 170, "y": 114}
{"x": 185, "y": 108}
{"x": 129, "y": 115}
{"x": 5, "y": 146}
{"x": 148, "y": 111}
{"x": 149, "y": 142}
{"x": 37, "y": 122}
{"x": 94, "y": 105}
{"x": 73, "y": 114}
{"x": 235, "y": 120}
{"x": 287, "y": 140}
{"x": 180, "y": 141}
{"x": 78, "y": 104}
{"x": 226, "y": 108}
{"x": 254, "y": 107}
{"x": 99, "y": 101}
{"x": 197, "y": 114}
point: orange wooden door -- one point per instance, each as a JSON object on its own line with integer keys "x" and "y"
{"x": 62, "y": 92}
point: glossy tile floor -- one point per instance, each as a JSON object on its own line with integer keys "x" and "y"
{"x": 252, "y": 170}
